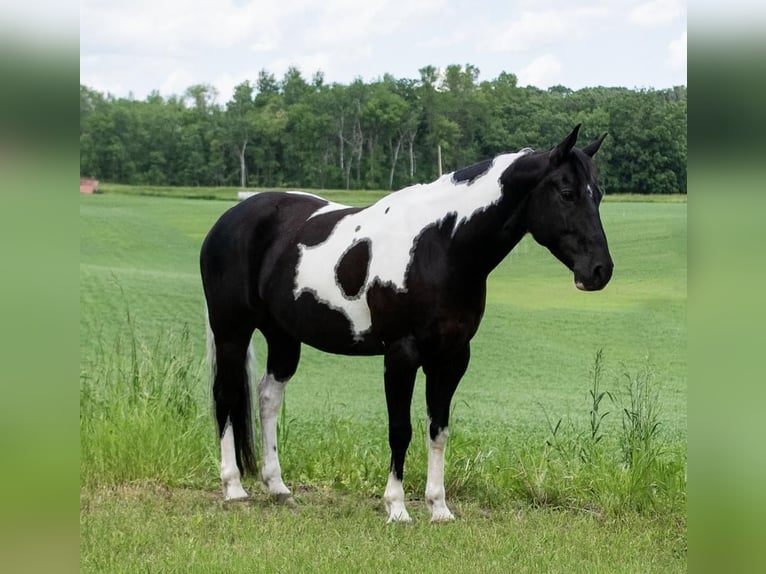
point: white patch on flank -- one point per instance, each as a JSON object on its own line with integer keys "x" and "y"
{"x": 394, "y": 500}
{"x": 590, "y": 190}
{"x": 435, "y": 498}
{"x": 392, "y": 226}
{"x": 232, "y": 487}
{"x": 270, "y": 395}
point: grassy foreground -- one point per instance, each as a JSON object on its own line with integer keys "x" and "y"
{"x": 156, "y": 529}
{"x": 560, "y": 458}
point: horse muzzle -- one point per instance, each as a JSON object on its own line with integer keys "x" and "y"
{"x": 595, "y": 278}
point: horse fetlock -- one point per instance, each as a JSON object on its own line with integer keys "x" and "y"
{"x": 436, "y": 503}
{"x": 229, "y": 473}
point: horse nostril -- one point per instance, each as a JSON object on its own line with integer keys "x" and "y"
{"x": 597, "y": 271}
{"x": 602, "y": 273}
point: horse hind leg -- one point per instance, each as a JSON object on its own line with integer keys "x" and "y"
{"x": 283, "y": 357}
{"x": 230, "y": 359}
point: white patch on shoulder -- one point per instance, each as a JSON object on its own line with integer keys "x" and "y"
{"x": 392, "y": 226}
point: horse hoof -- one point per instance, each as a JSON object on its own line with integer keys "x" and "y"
{"x": 443, "y": 518}
{"x": 236, "y": 501}
{"x": 399, "y": 519}
{"x": 285, "y": 499}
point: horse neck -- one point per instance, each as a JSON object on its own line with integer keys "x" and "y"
{"x": 491, "y": 235}
{"x": 481, "y": 217}
{"x": 492, "y": 232}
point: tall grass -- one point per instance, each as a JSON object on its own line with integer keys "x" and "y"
{"x": 144, "y": 416}
{"x": 143, "y": 413}
{"x": 633, "y": 466}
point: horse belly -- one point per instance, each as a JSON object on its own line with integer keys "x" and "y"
{"x": 329, "y": 328}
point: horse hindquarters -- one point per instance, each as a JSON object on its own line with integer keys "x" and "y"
{"x": 231, "y": 261}
{"x": 231, "y": 322}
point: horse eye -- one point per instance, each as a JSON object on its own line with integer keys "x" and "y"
{"x": 567, "y": 194}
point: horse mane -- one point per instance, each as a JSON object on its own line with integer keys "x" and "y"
{"x": 472, "y": 172}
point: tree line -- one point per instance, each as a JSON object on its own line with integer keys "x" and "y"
{"x": 305, "y": 133}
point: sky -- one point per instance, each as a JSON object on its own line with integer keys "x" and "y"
{"x": 137, "y": 46}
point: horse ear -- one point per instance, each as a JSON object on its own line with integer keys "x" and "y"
{"x": 591, "y": 149}
{"x": 561, "y": 151}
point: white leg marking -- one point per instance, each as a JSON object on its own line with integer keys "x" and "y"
{"x": 435, "y": 482}
{"x": 394, "y": 500}
{"x": 232, "y": 487}
{"x": 270, "y": 395}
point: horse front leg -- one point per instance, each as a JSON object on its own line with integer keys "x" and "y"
{"x": 443, "y": 374}
{"x": 401, "y": 365}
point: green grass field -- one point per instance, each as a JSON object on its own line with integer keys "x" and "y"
{"x": 531, "y": 496}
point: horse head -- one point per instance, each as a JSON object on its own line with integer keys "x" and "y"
{"x": 561, "y": 208}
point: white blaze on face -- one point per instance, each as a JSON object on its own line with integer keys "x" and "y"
{"x": 392, "y": 226}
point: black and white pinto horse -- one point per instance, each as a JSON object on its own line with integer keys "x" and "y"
{"x": 404, "y": 278}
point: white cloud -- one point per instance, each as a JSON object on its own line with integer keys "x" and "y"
{"x": 536, "y": 29}
{"x": 170, "y": 27}
{"x": 657, "y": 12}
{"x": 677, "y": 53}
{"x": 143, "y": 45}
{"x": 542, "y": 72}
{"x": 199, "y": 41}
{"x": 351, "y": 23}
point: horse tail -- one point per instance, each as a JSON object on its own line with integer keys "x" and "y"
{"x": 231, "y": 384}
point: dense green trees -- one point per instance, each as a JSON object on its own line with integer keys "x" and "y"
{"x": 384, "y": 134}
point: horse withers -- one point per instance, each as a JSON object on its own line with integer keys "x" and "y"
{"x": 404, "y": 278}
